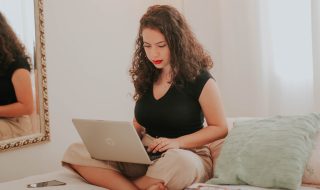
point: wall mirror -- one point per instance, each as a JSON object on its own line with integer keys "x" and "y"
{"x": 26, "y": 19}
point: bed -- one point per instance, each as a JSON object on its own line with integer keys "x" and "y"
{"x": 311, "y": 173}
{"x": 72, "y": 180}
{"x": 75, "y": 182}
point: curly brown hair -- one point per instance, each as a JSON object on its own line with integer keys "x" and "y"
{"x": 187, "y": 56}
{"x": 10, "y": 46}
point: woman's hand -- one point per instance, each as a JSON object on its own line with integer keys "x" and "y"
{"x": 162, "y": 144}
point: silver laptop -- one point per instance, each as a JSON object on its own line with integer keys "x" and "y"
{"x": 112, "y": 140}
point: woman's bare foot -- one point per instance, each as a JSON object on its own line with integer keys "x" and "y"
{"x": 157, "y": 186}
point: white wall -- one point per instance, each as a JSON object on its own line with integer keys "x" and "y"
{"x": 89, "y": 45}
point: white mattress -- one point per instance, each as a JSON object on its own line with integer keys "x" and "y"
{"x": 74, "y": 182}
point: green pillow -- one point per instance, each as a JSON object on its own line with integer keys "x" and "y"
{"x": 270, "y": 153}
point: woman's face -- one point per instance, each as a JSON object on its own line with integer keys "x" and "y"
{"x": 156, "y": 48}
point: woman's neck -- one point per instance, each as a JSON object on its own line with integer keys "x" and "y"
{"x": 165, "y": 77}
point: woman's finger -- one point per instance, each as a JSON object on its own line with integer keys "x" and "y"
{"x": 154, "y": 144}
{"x": 164, "y": 148}
{"x": 161, "y": 144}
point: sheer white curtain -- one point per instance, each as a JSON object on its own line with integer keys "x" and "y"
{"x": 267, "y": 56}
{"x": 286, "y": 36}
{"x": 315, "y": 4}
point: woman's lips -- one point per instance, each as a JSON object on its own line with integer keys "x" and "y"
{"x": 157, "y": 62}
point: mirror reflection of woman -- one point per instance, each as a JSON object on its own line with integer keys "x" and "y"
{"x": 16, "y": 98}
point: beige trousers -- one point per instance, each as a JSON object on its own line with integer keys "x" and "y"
{"x": 178, "y": 168}
{"x": 15, "y": 127}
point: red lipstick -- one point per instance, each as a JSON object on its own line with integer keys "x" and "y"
{"x": 157, "y": 62}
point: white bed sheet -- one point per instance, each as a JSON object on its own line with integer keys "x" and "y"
{"x": 75, "y": 182}
{"x": 72, "y": 180}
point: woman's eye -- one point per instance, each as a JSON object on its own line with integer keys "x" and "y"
{"x": 146, "y": 46}
{"x": 162, "y": 46}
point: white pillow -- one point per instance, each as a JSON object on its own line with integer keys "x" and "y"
{"x": 231, "y": 120}
{"x": 312, "y": 171}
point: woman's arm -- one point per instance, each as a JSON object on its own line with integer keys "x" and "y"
{"x": 22, "y": 85}
{"x": 140, "y": 130}
{"x": 211, "y": 105}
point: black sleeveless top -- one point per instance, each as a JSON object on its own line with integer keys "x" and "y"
{"x": 7, "y": 93}
{"x": 175, "y": 114}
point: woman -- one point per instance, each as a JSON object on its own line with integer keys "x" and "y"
{"x": 174, "y": 92}
{"x": 16, "y": 99}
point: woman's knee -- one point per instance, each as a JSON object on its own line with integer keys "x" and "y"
{"x": 183, "y": 161}
{"x": 185, "y": 168}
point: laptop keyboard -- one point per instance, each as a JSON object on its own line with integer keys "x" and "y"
{"x": 152, "y": 155}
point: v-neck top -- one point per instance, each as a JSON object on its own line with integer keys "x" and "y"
{"x": 176, "y": 113}
{"x": 7, "y": 92}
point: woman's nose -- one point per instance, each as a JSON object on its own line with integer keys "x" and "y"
{"x": 154, "y": 52}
